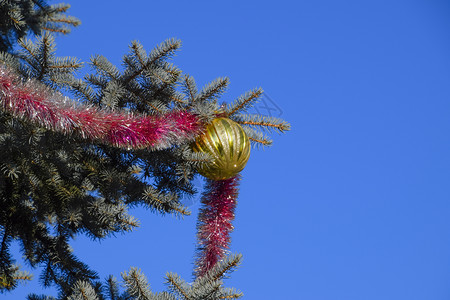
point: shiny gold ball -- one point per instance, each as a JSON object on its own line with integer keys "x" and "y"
{"x": 229, "y": 146}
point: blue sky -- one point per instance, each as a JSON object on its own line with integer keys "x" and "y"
{"x": 353, "y": 203}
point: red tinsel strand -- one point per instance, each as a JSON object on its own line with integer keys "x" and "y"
{"x": 33, "y": 101}
{"x": 215, "y": 222}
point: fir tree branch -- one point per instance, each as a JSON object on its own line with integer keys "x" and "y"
{"x": 55, "y": 29}
{"x": 280, "y": 126}
{"x": 17, "y": 22}
{"x": 112, "y": 289}
{"x": 137, "y": 285}
{"x": 219, "y": 270}
{"x": 157, "y": 201}
{"x": 138, "y": 52}
{"x": 10, "y": 280}
{"x": 256, "y": 137}
{"x": 66, "y": 20}
{"x": 70, "y": 65}
{"x": 177, "y": 99}
{"x": 105, "y": 66}
{"x": 190, "y": 88}
{"x": 61, "y": 7}
{"x": 154, "y": 108}
{"x": 20, "y": 18}
{"x": 213, "y": 89}
{"x": 263, "y": 142}
{"x": 23, "y": 277}
{"x": 232, "y": 296}
{"x": 161, "y": 51}
{"x": 268, "y": 123}
{"x": 177, "y": 285}
{"x": 45, "y": 51}
{"x": 244, "y": 102}
{"x": 27, "y": 45}
{"x": 83, "y": 291}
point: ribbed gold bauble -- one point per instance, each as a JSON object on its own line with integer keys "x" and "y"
{"x": 228, "y": 144}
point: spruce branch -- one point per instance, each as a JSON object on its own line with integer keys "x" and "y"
{"x": 56, "y": 20}
{"x": 82, "y": 90}
{"x": 104, "y": 67}
{"x": 178, "y": 285}
{"x": 213, "y": 89}
{"x": 45, "y": 51}
{"x": 264, "y": 122}
{"x": 29, "y": 55}
{"x": 112, "y": 288}
{"x": 83, "y": 290}
{"x": 10, "y": 279}
{"x": 43, "y": 65}
{"x": 257, "y": 138}
{"x": 227, "y": 266}
{"x": 66, "y": 64}
{"x": 137, "y": 285}
{"x": 10, "y": 61}
{"x": 164, "y": 50}
{"x": 57, "y": 29}
{"x": 139, "y": 53}
{"x": 197, "y": 158}
{"x": 232, "y": 295}
{"x": 164, "y": 202}
{"x": 68, "y": 20}
{"x": 138, "y": 61}
{"x": 20, "y": 18}
{"x": 16, "y": 18}
{"x": 61, "y": 8}
{"x": 244, "y": 102}
{"x": 190, "y": 88}
{"x": 208, "y": 287}
{"x": 6, "y": 266}
{"x": 178, "y": 98}
{"x": 263, "y": 141}
{"x": 209, "y": 290}
{"x": 112, "y": 94}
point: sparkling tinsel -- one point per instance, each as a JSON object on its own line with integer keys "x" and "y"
{"x": 215, "y": 222}
{"x": 33, "y": 101}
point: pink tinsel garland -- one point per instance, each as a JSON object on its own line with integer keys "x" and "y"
{"x": 33, "y": 101}
{"x": 214, "y": 222}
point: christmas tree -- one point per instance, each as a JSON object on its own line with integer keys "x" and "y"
{"x": 77, "y": 153}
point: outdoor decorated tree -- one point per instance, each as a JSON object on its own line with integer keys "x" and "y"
{"x": 77, "y": 153}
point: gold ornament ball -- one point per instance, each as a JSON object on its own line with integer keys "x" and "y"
{"x": 229, "y": 146}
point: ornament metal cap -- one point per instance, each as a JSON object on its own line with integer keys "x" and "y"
{"x": 229, "y": 146}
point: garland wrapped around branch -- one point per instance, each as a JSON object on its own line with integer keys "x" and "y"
{"x": 33, "y": 101}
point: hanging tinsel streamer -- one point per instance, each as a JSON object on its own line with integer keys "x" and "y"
{"x": 214, "y": 222}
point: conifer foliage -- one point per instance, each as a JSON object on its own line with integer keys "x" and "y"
{"x": 74, "y": 165}
{"x": 17, "y": 18}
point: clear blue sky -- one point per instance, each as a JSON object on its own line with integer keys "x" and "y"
{"x": 354, "y": 202}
